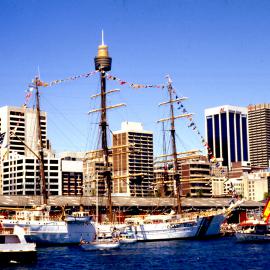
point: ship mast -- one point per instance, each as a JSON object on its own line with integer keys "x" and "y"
{"x": 165, "y": 169}
{"x": 102, "y": 64}
{"x": 174, "y": 150}
{"x": 40, "y": 146}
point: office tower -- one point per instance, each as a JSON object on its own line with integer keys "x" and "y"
{"x": 195, "y": 176}
{"x": 259, "y": 134}
{"x": 20, "y": 125}
{"x": 133, "y": 160}
{"x": 94, "y": 183}
{"x": 19, "y": 161}
{"x": 20, "y": 176}
{"x": 227, "y": 133}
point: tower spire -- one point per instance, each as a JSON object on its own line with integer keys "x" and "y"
{"x": 102, "y": 38}
{"x": 103, "y": 64}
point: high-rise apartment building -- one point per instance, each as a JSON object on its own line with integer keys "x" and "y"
{"x": 19, "y": 164}
{"x": 259, "y": 134}
{"x": 227, "y": 133}
{"x": 94, "y": 183}
{"x": 20, "y": 124}
{"x": 195, "y": 176}
{"x": 132, "y": 151}
{"x": 20, "y": 176}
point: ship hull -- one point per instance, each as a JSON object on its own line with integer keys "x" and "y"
{"x": 252, "y": 237}
{"x": 202, "y": 227}
{"x": 17, "y": 257}
{"x": 54, "y": 232}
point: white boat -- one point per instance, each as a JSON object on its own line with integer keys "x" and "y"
{"x": 171, "y": 226}
{"x": 127, "y": 237}
{"x": 255, "y": 229}
{"x": 253, "y": 232}
{"x": 100, "y": 245}
{"x": 168, "y": 227}
{"x": 43, "y": 230}
{"x": 15, "y": 248}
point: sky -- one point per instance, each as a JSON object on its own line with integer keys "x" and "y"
{"x": 216, "y": 52}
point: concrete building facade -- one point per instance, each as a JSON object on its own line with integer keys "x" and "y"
{"x": 93, "y": 173}
{"x": 20, "y": 124}
{"x": 259, "y": 134}
{"x": 132, "y": 152}
{"x": 20, "y": 176}
{"x": 195, "y": 178}
{"x": 19, "y": 164}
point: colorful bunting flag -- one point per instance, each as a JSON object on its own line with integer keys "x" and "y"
{"x": 133, "y": 85}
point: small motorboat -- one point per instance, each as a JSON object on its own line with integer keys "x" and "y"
{"x": 253, "y": 232}
{"x": 100, "y": 245}
{"x": 14, "y": 248}
{"x": 127, "y": 238}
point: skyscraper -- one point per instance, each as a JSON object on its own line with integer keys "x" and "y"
{"x": 227, "y": 133}
{"x": 19, "y": 165}
{"x": 259, "y": 134}
{"x": 20, "y": 125}
{"x": 133, "y": 169}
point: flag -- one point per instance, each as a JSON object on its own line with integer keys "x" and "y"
{"x": 266, "y": 211}
{"x": 2, "y": 137}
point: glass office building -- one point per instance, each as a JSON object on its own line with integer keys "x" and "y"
{"x": 227, "y": 133}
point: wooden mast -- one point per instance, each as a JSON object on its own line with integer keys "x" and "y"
{"x": 102, "y": 64}
{"x": 174, "y": 150}
{"x": 40, "y": 146}
{"x": 103, "y": 125}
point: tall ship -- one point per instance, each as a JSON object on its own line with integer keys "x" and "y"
{"x": 152, "y": 227}
{"x": 39, "y": 225}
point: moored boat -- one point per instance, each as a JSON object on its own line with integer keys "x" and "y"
{"x": 100, "y": 245}
{"x": 168, "y": 227}
{"x": 127, "y": 237}
{"x": 15, "y": 248}
{"x": 43, "y": 230}
{"x": 252, "y": 232}
{"x": 255, "y": 230}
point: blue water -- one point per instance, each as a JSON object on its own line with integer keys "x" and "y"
{"x": 222, "y": 253}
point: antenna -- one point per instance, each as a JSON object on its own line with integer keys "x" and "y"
{"x": 102, "y": 37}
{"x": 38, "y": 71}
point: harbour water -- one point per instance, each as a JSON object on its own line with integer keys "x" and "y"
{"x": 222, "y": 253}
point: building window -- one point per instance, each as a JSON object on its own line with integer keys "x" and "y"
{"x": 238, "y": 137}
{"x": 224, "y": 139}
{"x": 245, "y": 140}
{"x": 217, "y": 135}
{"x": 210, "y": 133}
{"x": 232, "y": 138}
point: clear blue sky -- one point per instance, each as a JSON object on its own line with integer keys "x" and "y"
{"x": 217, "y": 52}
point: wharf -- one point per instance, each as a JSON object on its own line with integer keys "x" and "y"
{"x": 124, "y": 202}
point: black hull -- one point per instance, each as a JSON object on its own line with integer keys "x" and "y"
{"x": 18, "y": 257}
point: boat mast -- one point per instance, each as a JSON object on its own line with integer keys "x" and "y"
{"x": 102, "y": 64}
{"x": 174, "y": 152}
{"x": 165, "y": 171}
{"x": 40, "y": 145}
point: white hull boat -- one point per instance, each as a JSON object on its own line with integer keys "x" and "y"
{"x": 44, "y": 231}
{"x": 15, "y": 248}
{"x": 253, "y": 232}
{"x": 168, "y": 227}
{"x": 100, "y": 245}
{"x": 252, "y": 237}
